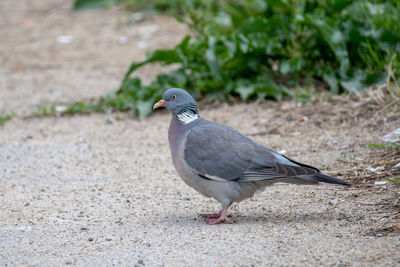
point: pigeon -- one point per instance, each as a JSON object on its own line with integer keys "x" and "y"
{"x": 222, "y": 163}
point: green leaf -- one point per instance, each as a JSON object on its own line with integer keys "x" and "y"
{"x": 178, "y": 19}
{"x": 352, "y": 85}
{"x": 333, "y": 36}
{"x": 144, "y": 108}
{"x": 89, "y": 4}
{"x": 377, "y": 145}
{"x": 388, "y": 145}
{"x": 392, "y": 179}
{"x": 211, "y": 58}
{"x": 284, "y": 67}
{"x": 268, "y": 88}
{"x": 331, "y": 80}
{"x": 164, "y": 56}
{"x": 355, "y": 82}
{"x": 245, "y": 91}
{"x": 5, "y": 118}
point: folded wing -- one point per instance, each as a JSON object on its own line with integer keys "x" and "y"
{"x": 221, "y": 153}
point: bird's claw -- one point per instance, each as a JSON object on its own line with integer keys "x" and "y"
{"x": 216, "y": 218}
{"x": 221, "y": 219}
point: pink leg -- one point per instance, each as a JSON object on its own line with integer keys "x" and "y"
{"x": 221, "y": 218}
{"x": 209, "y": 215}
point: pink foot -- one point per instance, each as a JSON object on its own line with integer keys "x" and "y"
{"x": 209, "y": 215}
{"x": 215, "y": 218}
{"x": 221, "y": 219}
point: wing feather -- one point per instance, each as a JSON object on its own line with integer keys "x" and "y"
{"x": 218, "y": 152}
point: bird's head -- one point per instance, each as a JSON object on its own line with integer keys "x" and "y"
{"x": 178, "y": 101}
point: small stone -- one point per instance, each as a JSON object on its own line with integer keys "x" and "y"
{"x": 111, "y": 120}
{"x": 138, "y": 16}
{"x": 360, "y": 217}
{"x": 333, "y": 202}
{"x": 25, "y": 138}
{"x": 141, "y": 44}
{"x": 64, "y": 39}
{"x": 376, "y": 169}
{"x": 123, "y": 40}
{"x": 393, "y": 136}
{"x": 61, "y": 109}
{"x": 90, "y": 239}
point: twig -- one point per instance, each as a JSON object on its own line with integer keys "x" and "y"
{"x": 364, "y": 203}
{"x": 383, "y": 162}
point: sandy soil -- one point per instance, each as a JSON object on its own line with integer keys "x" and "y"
{"x": 92, "y": 190}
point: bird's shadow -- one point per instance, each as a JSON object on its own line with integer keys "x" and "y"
{"x": 267, "y": 217}
{"x": 277, "y": 217}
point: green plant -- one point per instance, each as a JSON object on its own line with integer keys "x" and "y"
{"x": 392, "y": 179}
{"x": 388, "y": 146}
{"x": 45, "y": 111}
{"x": 88, "y": 4}
{"x": 261, "y": 48}
{"x": 342, "y": 157}
{"x": 303, "y": 95}
{"x": 81, "y": 107}
{"x": 154, "y": 6}
{"x": 4, "y": 118}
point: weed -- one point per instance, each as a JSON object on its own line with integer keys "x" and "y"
{"x": 81, "y": 107}
{"x": 388, "y": 146}
{"x": 45, "y": 111}
{"x": 342, "y": 157}
{"x": 303, "y": 96}
{"x": 4, "y": 118}
{"x": 392, "y": 179}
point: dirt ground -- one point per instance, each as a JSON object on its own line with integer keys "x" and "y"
{"x": 93, "y": 190}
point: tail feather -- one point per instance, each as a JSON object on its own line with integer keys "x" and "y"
{"x": 329, "y": 179}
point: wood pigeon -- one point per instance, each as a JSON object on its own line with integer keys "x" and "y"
{"x": 220, "y": 162}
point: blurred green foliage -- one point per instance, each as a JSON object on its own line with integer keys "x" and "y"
{"x": 260, "y": 48}
{"x": 4, "y": 118}
{"x": 88, "y": 4}
{"x": 387, "y": 145}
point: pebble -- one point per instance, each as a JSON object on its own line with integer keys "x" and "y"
{"x": 393, "y": 136}
{"x": 64, "y": 39}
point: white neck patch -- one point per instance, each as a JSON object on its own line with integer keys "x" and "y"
{"x": 187, "y": 117}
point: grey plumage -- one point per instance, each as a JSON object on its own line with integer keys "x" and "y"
{"x": 220, "y": 162}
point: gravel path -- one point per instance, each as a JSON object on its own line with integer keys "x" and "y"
{"x": 93, "y": 190}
